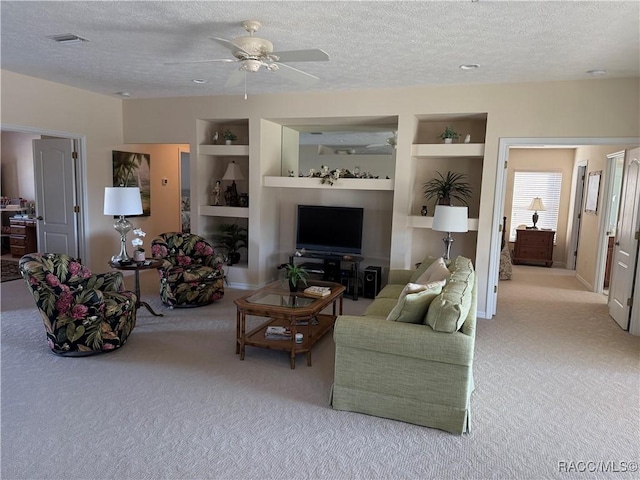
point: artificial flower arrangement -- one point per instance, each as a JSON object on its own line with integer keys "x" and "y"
{"x": 138, "y": 251}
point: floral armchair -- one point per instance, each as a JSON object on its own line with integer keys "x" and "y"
{"x": 83, "y": 313}
{"x": 191, "y": 274}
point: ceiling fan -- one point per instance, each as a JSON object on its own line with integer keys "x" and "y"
{"x": 253, "y": 52}
{"x": 390, "y": 142}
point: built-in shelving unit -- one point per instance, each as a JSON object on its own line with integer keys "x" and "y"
{"x": 430, "y": 156}
{"x": 212, "y": 161}
{"x": 426, "y": 222}
{"x": 341, "y": 183}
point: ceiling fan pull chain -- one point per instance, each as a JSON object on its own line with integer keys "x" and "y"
{"x": 245, "y": 84}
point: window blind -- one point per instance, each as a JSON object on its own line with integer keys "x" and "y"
{"x": 526, "y": 186}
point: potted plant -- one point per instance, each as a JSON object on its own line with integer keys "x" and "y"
{"x": 295, "y": 274}
{"x": 449, "y": 135}
{"x": 229, "y": 136}
{"x": 138, "y": 251}
{"x": 446, "y": 189}
{"x": 232, "y": 238}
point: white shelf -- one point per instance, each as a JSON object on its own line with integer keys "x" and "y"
{"x": 224, "y": 150}
{"x": 448, "y": 150}
{"x": 13, "y": 208}
{"x": 341, "y": 183}
{"x": 220, "y": 211}
{"x": 416, "y": 221}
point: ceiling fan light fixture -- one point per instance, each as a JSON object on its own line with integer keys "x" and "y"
{"x": 250, "y": 65}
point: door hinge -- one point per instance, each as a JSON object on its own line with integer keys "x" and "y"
{"x": 575, "y": 253}
{"x": 505, "y": 164}
{"x": 499, "y": 228}
{"x": 76, "y": 208}
{"x": 74, "y": 155}
{"x": 495, "y": 289}
{"x": 629, "y": 302}
{"x": 638, "y": 235}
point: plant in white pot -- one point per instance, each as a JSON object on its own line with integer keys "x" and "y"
{"x": 229, "y": 137}
{"x": 449, "y": 135}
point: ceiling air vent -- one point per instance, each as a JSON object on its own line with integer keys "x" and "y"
{"x": 67, "y": 39}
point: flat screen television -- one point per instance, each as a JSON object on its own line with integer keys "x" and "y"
{"x": 329, "y": 229}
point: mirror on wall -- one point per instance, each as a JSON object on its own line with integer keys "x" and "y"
{"x": 362, "y": 149}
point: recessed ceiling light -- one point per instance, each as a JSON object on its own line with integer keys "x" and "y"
{"x": 67, "y": 39}
{"x": 123, "y": 94}
{"x": 597, "y": 72}
{"x": 469, "y": 66}
{"x": 199, "y": 80}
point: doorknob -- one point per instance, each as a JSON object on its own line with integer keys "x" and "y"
{"x": 39, "y": 217}
{"x": 617, "y": 244}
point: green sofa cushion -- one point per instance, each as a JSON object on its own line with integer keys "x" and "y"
{"x": 380, "y": 307}
{"x": 391, "y": 290}
{"x": 414, "y": 302}
{"x": 449, "y": 310}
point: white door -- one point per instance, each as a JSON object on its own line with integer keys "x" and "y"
{"x": 625, "y": 250}
{"x": 55, "y": 174}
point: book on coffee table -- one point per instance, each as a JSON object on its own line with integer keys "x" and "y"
{"x": 315, "y": 291}
{"x": 277, "y": 333}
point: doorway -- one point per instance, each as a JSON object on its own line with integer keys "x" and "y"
{"x": 75, "y": 190}
{"x": 499, "y": 197}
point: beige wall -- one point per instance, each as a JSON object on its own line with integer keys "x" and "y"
{"x": 590, "y": 108}
{"x": 17, "y": 165}
{"x": 33, "y": 103}
{"x": 538, "y": 159}
{"x": 586, "y": 261}
{"x": 165, "y": 199}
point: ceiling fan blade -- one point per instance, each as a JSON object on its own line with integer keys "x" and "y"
{"x": 296, "y": 75}
{"x": 377, "y": 145}
{"x": 236, "y": 78}
{"x": 225, "y": 60}
{"x": 313, "y": 55}
{"x": 229, "y": 45}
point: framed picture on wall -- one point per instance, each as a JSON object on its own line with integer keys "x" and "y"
{"x": 133, "y": 170}
{"x": 593, "y": 192}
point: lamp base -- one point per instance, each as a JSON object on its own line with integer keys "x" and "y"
{"x": 448, "y": 240}
{"x": 535, "y": 220}
{"x": 122, "y": 226}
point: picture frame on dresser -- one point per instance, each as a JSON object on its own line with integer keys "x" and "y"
{"x": 593, "y": 193}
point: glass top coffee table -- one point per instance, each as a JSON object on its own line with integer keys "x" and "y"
{"x": 296, "y": 312}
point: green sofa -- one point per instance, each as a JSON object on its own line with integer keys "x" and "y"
{"x": 420, "y": 373}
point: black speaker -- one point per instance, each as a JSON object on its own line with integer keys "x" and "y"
{"x": 372, "y": 282}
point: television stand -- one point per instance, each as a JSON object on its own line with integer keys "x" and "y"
{"x": 331, "y": 268}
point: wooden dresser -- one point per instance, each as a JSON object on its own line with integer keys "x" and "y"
{"x": 534, "y": 247}
{"x": 23, "y": 238}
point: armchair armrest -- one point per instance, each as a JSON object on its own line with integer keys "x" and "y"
{"x": 108, "y": 282}
{"x": 403, "y": 339}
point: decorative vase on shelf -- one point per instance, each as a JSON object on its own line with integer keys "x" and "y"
{"x": 424, "y": 211}
{"x": 228, "y": 142}
{"x": 467, "y": 139}
{"x": 448, "y": 140}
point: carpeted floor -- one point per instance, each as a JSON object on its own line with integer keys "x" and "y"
{"x": 9, "y": 271}
{"x": 557, "y": 385}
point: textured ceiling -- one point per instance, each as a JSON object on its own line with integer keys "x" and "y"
{"x": 371, "y": 44}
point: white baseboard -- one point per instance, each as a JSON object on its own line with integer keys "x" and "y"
{"x": 585, "y": 283}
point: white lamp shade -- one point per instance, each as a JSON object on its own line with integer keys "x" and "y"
{"x": 537, "y": 205}
{"x": 450, "y": 219}
{"x": 122, "y": 201}
{"x": 233, "y": 172}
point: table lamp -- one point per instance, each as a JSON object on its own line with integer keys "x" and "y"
{"x": 450, "y": 219}
{"x": 122, "y": 201}
{"x": 233, "y": 173}
{"x": 536, "y": 205}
